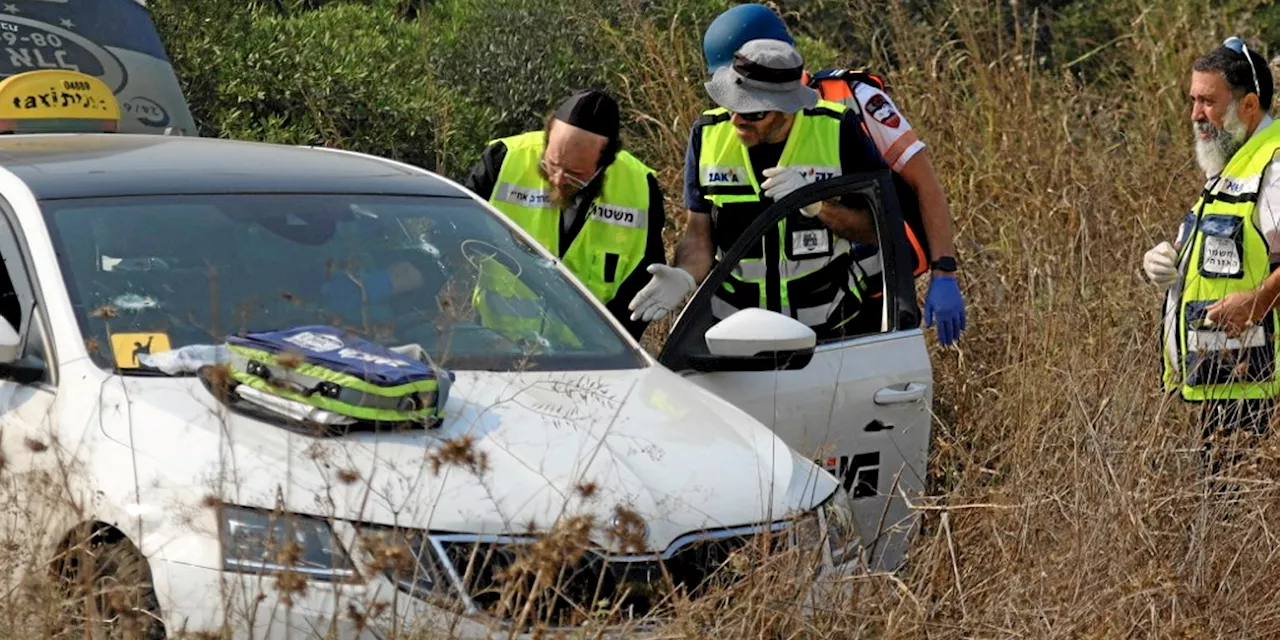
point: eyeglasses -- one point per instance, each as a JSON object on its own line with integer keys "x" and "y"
{"x": 754, "y": 116}
{"x": 549, "y": 170}
{"x": 1236, "y": 44}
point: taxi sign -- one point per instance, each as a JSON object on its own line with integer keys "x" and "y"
{"x": 57, "y": 101}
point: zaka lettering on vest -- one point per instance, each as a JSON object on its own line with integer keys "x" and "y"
{"x": 723, "y": 175}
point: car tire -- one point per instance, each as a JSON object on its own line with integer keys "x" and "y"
{"x": 106, "y": 590}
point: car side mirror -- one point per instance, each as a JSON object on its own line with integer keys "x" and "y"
{"x": 755, "y": 339}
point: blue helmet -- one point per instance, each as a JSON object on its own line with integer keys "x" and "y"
{"x": 733, "y": 28}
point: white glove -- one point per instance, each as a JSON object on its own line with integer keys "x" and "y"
{"x": 1161, "y": 265}
{"x": 781, "y": 181}
{"x": 666, "y": 289}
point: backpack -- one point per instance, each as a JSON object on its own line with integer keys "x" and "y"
{"x": 336, "y": 372}
{"x": 839, "y": 85}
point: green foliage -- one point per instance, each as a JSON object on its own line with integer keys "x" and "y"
{"x": 430, "y": 82}
{"x": 342, "y": 75}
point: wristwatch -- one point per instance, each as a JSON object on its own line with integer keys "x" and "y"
{"x": 945, "y": 264}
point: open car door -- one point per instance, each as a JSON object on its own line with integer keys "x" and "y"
{"x": 112, "y": 40}
{"x": 860, "y": 405}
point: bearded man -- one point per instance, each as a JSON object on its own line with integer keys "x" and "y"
{"x": 1220, "y": 325}
{"x": 583, "y": 197}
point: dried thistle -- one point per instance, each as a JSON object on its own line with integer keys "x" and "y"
{"x": 348, "y": 476}
{"x": 105, "y": 312}
{"x": 92, "y": 345}
{"x": 628, "y": 530}
{"x": 35, "y": 445}
{"x": 211, "y": 501}
{"x": 587, "y": 489}
{"x": 386, "y": 555}
{"x": 460, "y": 452}
{"x": 290, "y": 583}
{"x": 220, "y": 379}
{"x": 290, "y": 359}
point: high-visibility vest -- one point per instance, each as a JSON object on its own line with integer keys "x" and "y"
{"x": 611, "y": 243}
{"x": 509, "y": 307}
{"x": 1226, "y": 253}
{"x": 805, "y": 270}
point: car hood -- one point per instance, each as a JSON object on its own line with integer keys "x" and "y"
{"x": 515, "y": 453}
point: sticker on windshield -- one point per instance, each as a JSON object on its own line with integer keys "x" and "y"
{"x": 128, "y": 346}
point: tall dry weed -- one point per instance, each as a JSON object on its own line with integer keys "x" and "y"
{"x": 1068, "y": 498}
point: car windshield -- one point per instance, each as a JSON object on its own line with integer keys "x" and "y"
{"x": 150, "y": 273}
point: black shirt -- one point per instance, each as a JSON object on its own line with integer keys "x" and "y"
{"x": 484, "y": 177}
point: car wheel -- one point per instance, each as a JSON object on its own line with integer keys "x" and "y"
{"x": 106, "y": 591}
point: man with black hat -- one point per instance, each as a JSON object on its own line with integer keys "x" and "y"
{"x": 771, "y": 136}
{"x": 583, "y": 197}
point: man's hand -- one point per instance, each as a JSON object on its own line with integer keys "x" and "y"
{"x": 781, "y": 181}
{"x": 1161, "y": 265}
{"x": 1237, "y": 312}
{"x": 945, "y": 304}
{"x": 665, "y": 291}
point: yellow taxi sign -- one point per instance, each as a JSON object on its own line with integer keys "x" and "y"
{"x": 57, "y": 100}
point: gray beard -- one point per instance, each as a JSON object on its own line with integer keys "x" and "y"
{"x": 1213, "y": 154}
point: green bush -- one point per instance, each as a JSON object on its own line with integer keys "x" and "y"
{"x": 342, "y": 75}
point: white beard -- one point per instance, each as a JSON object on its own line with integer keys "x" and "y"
{"x": 1213, "y": 154}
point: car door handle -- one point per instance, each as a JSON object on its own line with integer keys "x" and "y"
{"x": 912, "y": 393}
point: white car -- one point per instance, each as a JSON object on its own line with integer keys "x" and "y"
{"x": 118, "y": 248}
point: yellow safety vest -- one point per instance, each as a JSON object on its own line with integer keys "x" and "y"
{"x": 1226, "y": 253}
{"x": 508, "y": 306}
{"x": 806, "y": 270}
{"x": 611, "y": 243}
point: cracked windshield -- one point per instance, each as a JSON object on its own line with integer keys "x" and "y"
{"x": 440, "y": 273}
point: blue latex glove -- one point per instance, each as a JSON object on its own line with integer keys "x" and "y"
{"x": 945, "y": 304}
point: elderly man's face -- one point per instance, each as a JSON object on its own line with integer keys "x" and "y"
{"x": 570, "y": 159}
{"x": 1220, "y": 122}
{"x": 1211, "y": 100}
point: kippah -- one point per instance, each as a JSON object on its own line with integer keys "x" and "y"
{"x": 592, "y": 110}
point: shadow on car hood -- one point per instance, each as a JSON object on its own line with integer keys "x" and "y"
{"x": 516, "y": 452}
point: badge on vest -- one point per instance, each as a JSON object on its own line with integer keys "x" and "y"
{"x": 523, "y": 196}
{"x": 621, "y": 216}
{"x": 817, "y": 173}
{"x": 716, "y": 176}
{"x": 1212, "y": 357}
{"x": 1222, "y": 253}
{"x": 807, "y": 242}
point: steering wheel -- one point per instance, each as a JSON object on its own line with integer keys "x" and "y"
{"x": 474, "y": 251}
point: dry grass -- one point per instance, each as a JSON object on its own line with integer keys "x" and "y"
{"x": 1067, "y": 497}
{"x": 1070, "y": 501}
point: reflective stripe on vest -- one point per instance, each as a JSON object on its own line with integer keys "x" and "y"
{"x": 1225, "y": 253}
{"x": 611, "y": 243}
{"x": 727, "y": 177}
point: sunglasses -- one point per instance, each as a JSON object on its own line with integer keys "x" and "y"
{"x": 549, "y": 170}
{"x": 754, "y": 116}
{"x": 1236, "y": 44}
